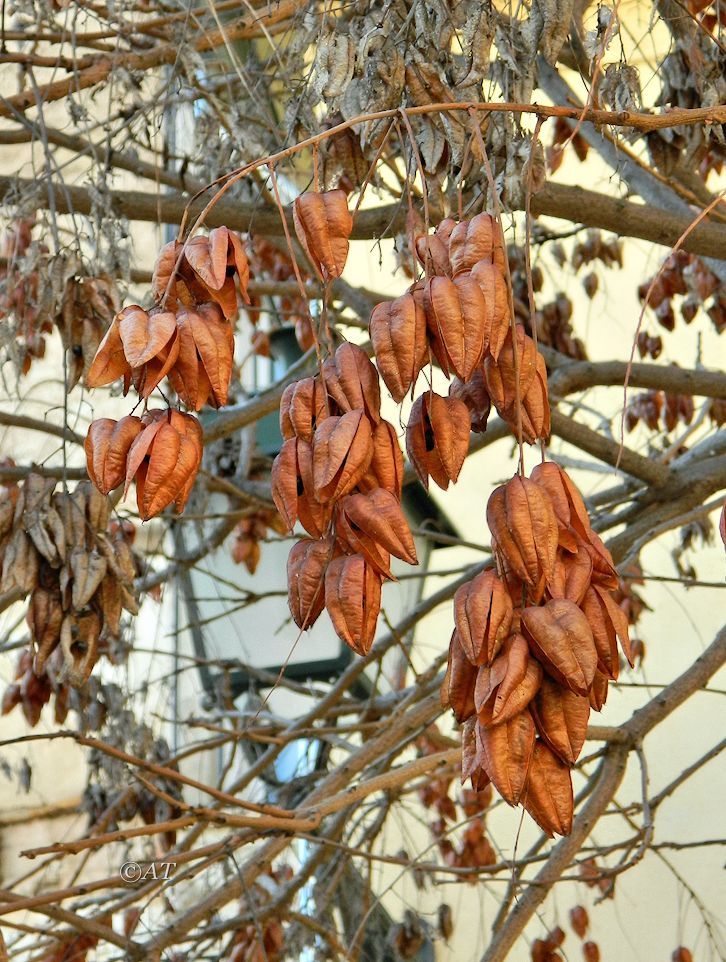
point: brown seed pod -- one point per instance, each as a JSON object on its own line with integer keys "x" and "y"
{"x": 353, "y": 600}
{"x": 302, "y": 408}
{"x": 456, "y": 322}
{"x": 398, "y": 334}
{"x": 352, "y": 381}
{"x": 203, "y": 369}
{"x": 591, "y": 953}
{"x": 107, "y": 446}
{"x": 509, "y": 685}
{"x": 476, "y": 397}
{"x": 386, "y": 467}
{"x": 323, "y": 225}
{"x": 44, "y": 618}
{"x": 110, "y": 362}
{"x": 494, "y": 288}
{"x": 306, "y": 567}
{"x": 478, "y": 239}
{"x": 572, "y": 574}
{"x": 504, "y": 383}
{"x": 437, "y": 438}
{"x": 79, "y": 644}
{"x": 609, "y": 625}
{"x": 293, "y": 490}
{"x": 342, "y": 453}
{"x": 561, "y": 639}
{"x": 561, "y": 718}
{"x": 457, "y": 688}
{"x": 548, "y": 795}
{"x": 433, "y": 249}
{"x": 599, "y": 691}
{"x": 579, "y": 920}
{"x": 523, "y": 524}
{"x": 483, "y": 616}
{"x": 163, "y": 460}
{"x": 379, "y": 516}
{"x": 506, "y": 752}
{"x": 536, "y": 407}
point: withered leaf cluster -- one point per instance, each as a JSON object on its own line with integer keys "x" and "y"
{"x": 78, "y": 569}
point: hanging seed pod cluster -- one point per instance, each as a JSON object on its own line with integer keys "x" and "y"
{"x": 187, "y": 338}
{"x": 536, "y": 638}
{"x": 340, "y": 470}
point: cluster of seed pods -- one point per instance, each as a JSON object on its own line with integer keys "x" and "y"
{"x": 536, "y": 637}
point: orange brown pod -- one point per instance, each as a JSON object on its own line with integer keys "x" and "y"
{"x": 477, "y": 239}
{"x": 506, "y": 752}
{"x": 205, "y": 273}
{"x": 398, "y": 333}
{"x": 107, "y": 446}
{"x": 203, "y": 369}
{"x": 323, "y": 225}
{"x": 351, "y": 380}
{"x": 386, "y": 467}
{"x": 505, "y": 382}
{"x": 457, "y": 688}
{"x": 476, "y": 397}
{"x": 437, "y": 438}
{"x": 483, "y": 615}
{"x": 342, "y": 453}
{"x": 163, "y": 460}
{"x": 302, "y": 407}
{"x": 494, "y": 288}
{"x": 293, "y": 489}
{"x": 561, "y": 718}
{"x": 353, "y": 600}
{"x": 379, "y": 517}
{"x": 609, "y": 625}
{"x": 432, "y": 250}
{"x": 523, "y": 523}
{"x": 562, "y": 641}
{"x": 507, "y": 686}
{"x": 548, "y": 796}
{"x": 306, "y": 566}
{"x": 456, "y": 318}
